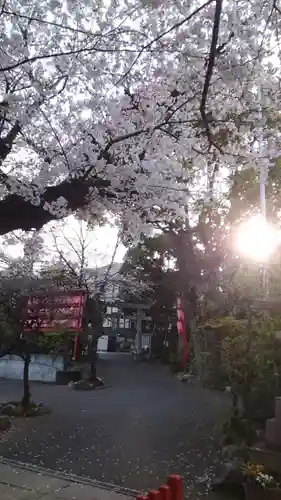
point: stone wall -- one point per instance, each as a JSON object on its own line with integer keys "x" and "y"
{"x": 42, "y": 368}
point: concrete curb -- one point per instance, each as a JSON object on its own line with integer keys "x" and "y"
{"x": 70, "y": 477}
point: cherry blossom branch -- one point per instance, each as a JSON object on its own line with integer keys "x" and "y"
{"x": 48, "y": 23}
{"x": 275, "y": 7}
{"x": 161, "y": 35}
{"x": 21, "y": 213}
{"x": 78, "y": 276}
{"x": 66, "y": 28}
{"x": 93, "y": 48}
{"x": 57, "y": 139}
{"x": 40, "y": 150}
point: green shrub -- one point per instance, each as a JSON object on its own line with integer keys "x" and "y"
{"x": 226, "y": 326}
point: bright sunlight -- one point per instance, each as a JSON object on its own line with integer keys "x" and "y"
{"x": 257, "y": 239}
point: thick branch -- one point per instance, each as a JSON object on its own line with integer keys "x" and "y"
{"x": 209, "y": 72}
{"x": 6, "y": 143}
{"x": 60, "y": 54}
{"x": 16, "y": 213}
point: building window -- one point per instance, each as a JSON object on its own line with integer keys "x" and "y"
{"x": 106, "y": 323}
{"x": 127, "y": 323}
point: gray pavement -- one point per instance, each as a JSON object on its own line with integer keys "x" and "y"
{"x": 17, "y": 483}
{"x": 135, "y": 433}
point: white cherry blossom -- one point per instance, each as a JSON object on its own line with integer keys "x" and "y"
{"x": 103, "y": 103}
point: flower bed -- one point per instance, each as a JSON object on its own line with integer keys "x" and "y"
{"x": 261, "y": 484}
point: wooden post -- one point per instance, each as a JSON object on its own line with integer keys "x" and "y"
{"x": 176, "y": 484}
{"x": 165, "y": 492}
{"x": 154, "y": 495}
{"x": 138, "y": 332}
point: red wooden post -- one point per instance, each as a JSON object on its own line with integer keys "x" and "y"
{"x": 176, "y": 484}
{"x": 154, "y": 495}
{"x": 165, "y": 492}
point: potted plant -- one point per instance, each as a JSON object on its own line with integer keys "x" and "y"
{"x": 260, "y": 484}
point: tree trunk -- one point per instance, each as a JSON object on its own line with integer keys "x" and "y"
{"x": 189, "y": 280}
{"x": 93, "y": 358}
{"x": 95, "y": 319}
{"x": 93, "y": 370}
{"x": 195, "y": 345}
{"x": 25, "y": 402}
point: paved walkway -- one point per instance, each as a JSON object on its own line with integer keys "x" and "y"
{"x": 19, "y": 483}
{"x": 144, "y": 427}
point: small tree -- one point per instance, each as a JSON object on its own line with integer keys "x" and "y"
{"x": 75, "y": 266}
{"x": 251, "y": 357}
{"x": 13, "y": 340}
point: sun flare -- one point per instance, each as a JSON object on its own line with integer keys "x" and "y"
{"x": 257, "y": 239}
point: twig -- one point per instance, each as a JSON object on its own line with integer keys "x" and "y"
{"x": 275, "y": 7}
{"x": 105, "y": 279}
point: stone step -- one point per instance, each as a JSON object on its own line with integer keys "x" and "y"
{"x": 270, "y": 459}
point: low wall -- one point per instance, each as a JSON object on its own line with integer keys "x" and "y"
{"x": 42, "y": 368}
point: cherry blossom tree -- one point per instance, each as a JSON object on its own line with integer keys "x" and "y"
{"x": 100, "y": 103}
{"x": 22, "y": 255}
{"x": 75, "y": 259}
{"x": 14, "y": 292}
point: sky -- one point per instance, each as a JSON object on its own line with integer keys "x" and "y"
{"x": 100, "y": 242}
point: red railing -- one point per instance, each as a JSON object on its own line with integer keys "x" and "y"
{"x": 173, "y": 490}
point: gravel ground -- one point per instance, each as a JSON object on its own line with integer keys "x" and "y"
{"x": 143, "y": 427}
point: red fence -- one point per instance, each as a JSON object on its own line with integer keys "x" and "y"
{"x": 173, "y": 490}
